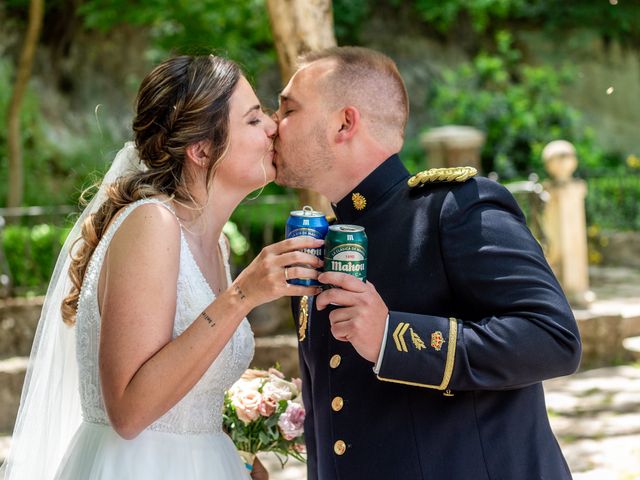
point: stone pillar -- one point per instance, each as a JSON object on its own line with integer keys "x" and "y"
{"x": 453, "y": 146}
{"x": 565, "y": 222}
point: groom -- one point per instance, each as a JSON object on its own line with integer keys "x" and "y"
{"x": 433, "y": 368}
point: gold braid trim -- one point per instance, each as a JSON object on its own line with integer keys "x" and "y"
{"x": 448, "y": 368}
{"x": 456, "y": 174}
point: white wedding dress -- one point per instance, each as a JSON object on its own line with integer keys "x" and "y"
{"x": 185, "y": 443}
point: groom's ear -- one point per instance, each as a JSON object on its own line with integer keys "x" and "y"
{"x": 198, "y": 153}
{"x": 349, "y": 124}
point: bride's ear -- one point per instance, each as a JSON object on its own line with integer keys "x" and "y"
{"x": 198, "y": 153}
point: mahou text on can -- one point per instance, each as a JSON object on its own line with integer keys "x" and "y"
{"x": 346, "y": 250}
{"x": 310, "y": 223}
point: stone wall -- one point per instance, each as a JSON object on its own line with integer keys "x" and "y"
{"x": 18, "y": 320}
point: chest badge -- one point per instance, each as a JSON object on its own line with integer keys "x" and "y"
{"x": 437, "y": 340}
{"x": 359, "y": 202}
{"x": 303, "y": 317}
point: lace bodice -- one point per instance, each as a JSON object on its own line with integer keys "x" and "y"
{"x": 200, "y": 410}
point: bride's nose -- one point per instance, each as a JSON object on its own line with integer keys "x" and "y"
{"x": 271, "y": 127}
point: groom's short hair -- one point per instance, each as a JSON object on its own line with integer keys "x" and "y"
{"x": 370, "y": 81}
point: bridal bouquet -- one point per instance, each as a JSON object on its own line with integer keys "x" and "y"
{"x": 263, "y": 412}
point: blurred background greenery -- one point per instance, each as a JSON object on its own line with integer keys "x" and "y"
{"x": 523, "y": 71}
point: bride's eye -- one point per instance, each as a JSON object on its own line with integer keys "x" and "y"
{"x": 255, "y": 121}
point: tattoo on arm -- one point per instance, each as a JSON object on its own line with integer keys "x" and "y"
{"x": 240, "y": 292}
{"x": 208, "y": 319}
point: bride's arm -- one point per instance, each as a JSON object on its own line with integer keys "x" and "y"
{"x": 143, "y": 371}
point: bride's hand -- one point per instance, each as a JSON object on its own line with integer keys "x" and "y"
{"x": 259, "y": 471}
{"x": 265, "y": 278}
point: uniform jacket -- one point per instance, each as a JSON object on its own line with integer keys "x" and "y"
{"x": 477, "y": 321}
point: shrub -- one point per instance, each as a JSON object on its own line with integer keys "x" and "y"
{"x": 612, "y": 202}
{"x": 518, "y": 106}
{"x": 31, "y": 253}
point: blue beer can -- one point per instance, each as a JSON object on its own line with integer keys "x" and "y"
{"x": 312, "y": 224}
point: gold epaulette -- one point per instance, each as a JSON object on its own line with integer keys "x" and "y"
{"x": 455, "y": 174}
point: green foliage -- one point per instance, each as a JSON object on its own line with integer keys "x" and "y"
{"x": 55, "y": 164}
{"x": 618, "y": 21}
{"x": 348, "y": 18}
{"x": 518, "y": 106}
{"x": 612, "y": 202}
{"x": 412, "y": 154}
{"x": 261, "y": 222}
{"x": 237, "y": 241}
{"x": 238, "y": 29}
{"x": 444, "y": 14}
{"x": 31, "y": 253}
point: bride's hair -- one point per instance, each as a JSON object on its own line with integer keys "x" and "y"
{"x": 182, "y": 101}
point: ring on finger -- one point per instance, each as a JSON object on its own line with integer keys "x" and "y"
{"x": 286, "y": 274}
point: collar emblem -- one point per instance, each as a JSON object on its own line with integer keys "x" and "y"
{"x": 359, "y": 202}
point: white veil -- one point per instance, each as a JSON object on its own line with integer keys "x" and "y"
{"x": 50, "y": 412}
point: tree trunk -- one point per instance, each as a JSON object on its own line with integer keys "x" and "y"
{"x": 16, "y": 180}
{"x": 299, "y": 26}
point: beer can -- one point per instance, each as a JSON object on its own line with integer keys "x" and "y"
{"x": 346, "y": 250}
{"x": 310, "y": 223}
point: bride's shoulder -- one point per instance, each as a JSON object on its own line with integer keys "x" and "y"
{"x": 147, "y": 224}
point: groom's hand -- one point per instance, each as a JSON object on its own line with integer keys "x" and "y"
{"x": 362, "y": 318}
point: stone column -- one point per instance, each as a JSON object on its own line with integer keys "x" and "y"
{"x": 565, "y": 222}
{"x": 453, "y": 146}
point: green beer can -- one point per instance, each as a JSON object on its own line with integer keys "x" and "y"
{"x": 346, "y": 250}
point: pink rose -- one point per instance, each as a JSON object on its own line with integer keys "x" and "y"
{"x": 291, "y": 422}
{"x": 278, "y": 389}
{"x": 251, "y": 374}
{"x": 275, "y": 372}
{"x": 267, "y": 406}
{"x": 298, "y": 383}
{"x": 246, "y": 403}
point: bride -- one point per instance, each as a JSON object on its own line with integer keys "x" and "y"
{"x": 143, "y": 328}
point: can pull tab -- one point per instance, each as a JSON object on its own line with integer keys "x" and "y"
{"x": 307, "y": 210}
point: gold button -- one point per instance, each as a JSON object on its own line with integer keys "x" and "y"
{"x": 339, "y": 447}
{"x": 335, "y": 361}
{"x": 337, "y": 403}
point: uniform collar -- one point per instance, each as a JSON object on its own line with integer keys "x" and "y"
{"x": 371, "y": 190}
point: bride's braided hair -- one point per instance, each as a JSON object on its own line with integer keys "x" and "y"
{"x": 182, "y": 101}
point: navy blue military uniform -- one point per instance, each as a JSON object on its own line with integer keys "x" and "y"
{"x": 476, "y": 321}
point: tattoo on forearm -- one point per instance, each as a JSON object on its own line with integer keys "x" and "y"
{"x": 240, "y": 292}
{"x": 208, "y": 319}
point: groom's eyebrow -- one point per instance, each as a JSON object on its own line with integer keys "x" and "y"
{"x": 252, "y": 109}
{"x": 286, "y": 98}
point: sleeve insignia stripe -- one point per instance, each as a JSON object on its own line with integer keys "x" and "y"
{"x": 398, "y": 335}
{"x": 456, "y": 174}
{"x": 437, "y": 340}
{"x": 449, "y": 362}
{"x": 417, "y": 341}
